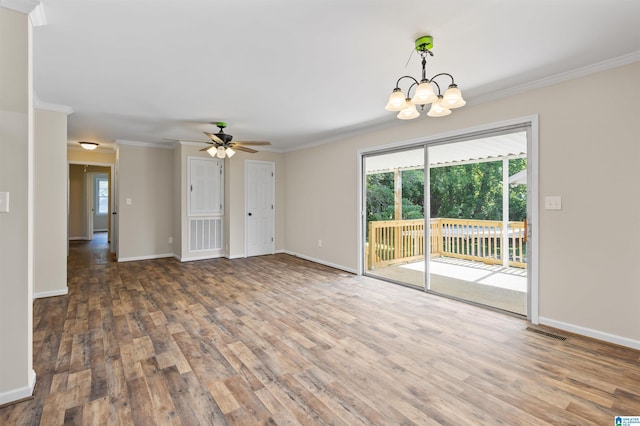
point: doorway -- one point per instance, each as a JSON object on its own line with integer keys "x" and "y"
{"x": 90, "y": 201}
{"x": 469, "y": 207}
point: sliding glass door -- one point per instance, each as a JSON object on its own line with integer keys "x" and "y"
{"x": 394, "y": 231}
{"x": 477, "y": 222}
{"x": 455, "y": 227}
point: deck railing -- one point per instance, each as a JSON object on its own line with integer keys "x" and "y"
{"x": 401, "y": 241}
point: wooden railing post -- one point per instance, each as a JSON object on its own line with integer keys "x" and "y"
{"x": 372, "y": 247}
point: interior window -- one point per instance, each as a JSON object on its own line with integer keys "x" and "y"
{"x": 102, "y": 195}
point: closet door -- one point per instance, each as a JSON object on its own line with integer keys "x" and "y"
{"x": 205, "y": 187}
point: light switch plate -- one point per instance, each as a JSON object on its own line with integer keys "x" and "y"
{"x": 553, "y": 203}
{"x": 4, "y": 202}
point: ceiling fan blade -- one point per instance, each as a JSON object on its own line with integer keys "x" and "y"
{"x": 252, "y": 143}
{"x": 206, "y": 148}
{"x": 213, "y": 137}
{"x": 243, "y": 148}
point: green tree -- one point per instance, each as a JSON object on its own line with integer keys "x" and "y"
{"x": 474, "y": 191}
{"x": 413, "y": 194}
{"x": 468, "y": 191}
{"x": 517, "y": 193}
{"x": 380, "y": 196}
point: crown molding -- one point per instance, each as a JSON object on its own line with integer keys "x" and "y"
{"x": 559, "y": 78}
{"x": 37, "y": 103}
{"x": 23, "y": 6}
{"x": 33, "y": 8}
{"x": 146, "y": 144}
{"x": 37, "y": 16}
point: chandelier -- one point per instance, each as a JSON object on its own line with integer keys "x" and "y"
{"x": 441, "y": 104}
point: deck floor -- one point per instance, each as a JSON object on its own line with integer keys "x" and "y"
{"x": 490, "y": 285}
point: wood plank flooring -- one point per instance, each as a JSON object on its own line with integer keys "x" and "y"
{"x": 279, "y": 340}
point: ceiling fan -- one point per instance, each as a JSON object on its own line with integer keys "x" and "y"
{"x": 222, "y": 146}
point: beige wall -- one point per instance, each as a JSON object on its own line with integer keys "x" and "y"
{"x": 145, "y": 175}
{"x": 589, "y": 154}
{"x": 50, "y": 209}
{"x": 77, "y": 203}
{"x": 321, "y": 203}
{"x": 16, "y": 259}
{"x": 79, "y": 155}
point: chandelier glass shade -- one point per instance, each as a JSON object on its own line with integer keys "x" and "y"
{"x": 439, "y": 108}
{"x": 409, "y": 111}
{"x": 423, "y": 90}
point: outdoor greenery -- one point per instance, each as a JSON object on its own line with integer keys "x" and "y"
{"x": 470, "y": 191}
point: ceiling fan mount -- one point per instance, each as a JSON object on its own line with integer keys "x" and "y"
{"x": 224, "y": 137}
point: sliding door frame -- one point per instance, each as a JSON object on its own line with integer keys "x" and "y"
{"x": 530, "y": 125}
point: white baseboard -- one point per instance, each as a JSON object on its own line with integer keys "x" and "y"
{"x": 322, "y": 262}
{"x": 20, "y": 393}
{"x": 148, "y": 257}
{"x": 78, "y": 239}
{"x": 600, "y": 335}
{"x": 242, "y": 256}
{"x": 43, "y": 294}
{"x": 192, "y": 258}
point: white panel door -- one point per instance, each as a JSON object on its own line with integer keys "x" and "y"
{"x": 260, "y": 207}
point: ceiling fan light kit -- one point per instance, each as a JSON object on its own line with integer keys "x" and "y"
{"x": 424, "y": 93}
{"x": 220, "y": 151}
{"x": 89, "y": 146}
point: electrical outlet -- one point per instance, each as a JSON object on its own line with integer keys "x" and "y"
{"x": 319, "y": 243}
{"x": 170, "y": 240}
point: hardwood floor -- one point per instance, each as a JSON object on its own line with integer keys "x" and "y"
{"x": 279, "y": 340}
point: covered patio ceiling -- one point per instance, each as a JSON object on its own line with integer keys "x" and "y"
{"x": 492, "y": 148}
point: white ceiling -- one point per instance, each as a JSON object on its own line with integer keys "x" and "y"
{"x": 300, "y": 72}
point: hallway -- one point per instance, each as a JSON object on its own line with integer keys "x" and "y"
{"x": 93, "y": 252}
